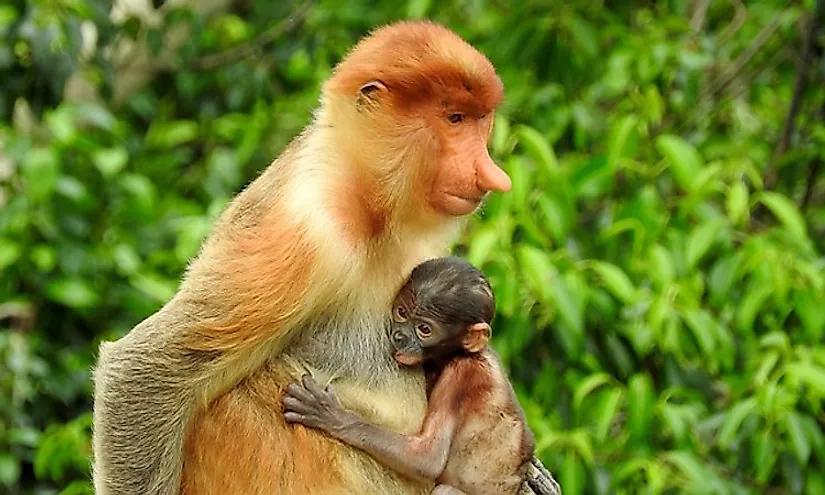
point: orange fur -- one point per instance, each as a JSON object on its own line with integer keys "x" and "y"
{"x": 444, "y": 70}
{"x": 237, "y": 446}
{"x": 359, "y": 210}
{"x": 269, "y": 273}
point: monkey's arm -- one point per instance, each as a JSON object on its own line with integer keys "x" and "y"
{"x": 242, "y": 300}
{"x": 418, "y": 456}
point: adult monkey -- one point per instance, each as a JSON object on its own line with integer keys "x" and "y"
{"x": 298, "y": 275}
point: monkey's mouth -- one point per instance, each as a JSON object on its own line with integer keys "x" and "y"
{"x": 406, "y": 359}
{"x": 461, "y": 205}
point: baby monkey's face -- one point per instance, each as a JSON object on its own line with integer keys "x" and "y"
{"x": 414, "y": 329}
{"x": 427, "y": 327}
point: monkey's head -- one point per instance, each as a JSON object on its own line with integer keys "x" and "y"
{"x": 443, "y": 310}
{"x": 413, "y": 104}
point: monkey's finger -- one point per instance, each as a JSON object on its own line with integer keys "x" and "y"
{"x": 293, "y": 417}
{"x": 311, "y": 384}
{"x": 298, "y": 391}
{"x": 296, "y": 405}
{"x": 304, "y": 419}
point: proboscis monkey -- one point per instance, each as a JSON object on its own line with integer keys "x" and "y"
{"x": 475, "y": 438}
{"x": 297, "y": 276}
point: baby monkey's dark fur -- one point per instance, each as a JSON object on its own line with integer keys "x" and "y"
{"x": 475, "y": 438}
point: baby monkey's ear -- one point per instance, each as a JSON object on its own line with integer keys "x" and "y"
{"x": 477, "y": 336}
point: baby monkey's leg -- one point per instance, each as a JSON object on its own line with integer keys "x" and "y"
{"x": 446, "y": 490}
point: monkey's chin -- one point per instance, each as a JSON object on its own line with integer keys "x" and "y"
{"x": 406, "y": 359}
{"x": 458, "y": 206}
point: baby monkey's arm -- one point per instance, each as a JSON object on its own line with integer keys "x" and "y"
{"x": 418, "y": 456}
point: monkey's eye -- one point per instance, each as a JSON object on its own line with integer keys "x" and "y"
{"x": 401, "y": 313}
{"x": 424, "y": 330}
{"x": 455, "y": 118}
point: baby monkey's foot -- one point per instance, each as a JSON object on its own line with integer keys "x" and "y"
{"x": 310, "y": 405}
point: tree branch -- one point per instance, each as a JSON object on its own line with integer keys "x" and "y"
{"x": 799, "y": 90}
{"x": 721, "y": 82}
{"x": 249, "y": 49}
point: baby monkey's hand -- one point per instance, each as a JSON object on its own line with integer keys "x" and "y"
{"x": 310, "y": 405}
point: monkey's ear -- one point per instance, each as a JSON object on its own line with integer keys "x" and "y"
{"x": 371, "y": 92}
{"x": 477, "y": 337}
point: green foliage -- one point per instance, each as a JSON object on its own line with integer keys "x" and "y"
{"x": 659, "y": 271}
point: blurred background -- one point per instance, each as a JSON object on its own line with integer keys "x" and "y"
{"x": 658, "y": 265}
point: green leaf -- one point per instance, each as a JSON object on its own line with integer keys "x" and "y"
{"x": 786, "y": 212}
{"x": 734, "y": 418}
{"x": 554, "y": 218}
{"x": 687, "y": 463}
{"x": 40, "y": 171}
{"x": 764, "y": 455}
{"x": 619, "y": 136}
{"x": 417, "y": 9}
{"x": 626, "y": 469}
{"x": 766, "y": 366}
{"x": 550, "y": 287}
{"x": 700, "y": 241}
{"x": 639, "y": 408}
{"x": 567, "y": 304}
{"x": 44, "y": 257}
{"x": 171, "y": 134}
{"x": 685, "y": 161}
{"x": 810, "y": 375}
{"x": 723, "y": 274}
{"x": 538, "y": 148}
{"x": 110, "y": 161}
{"x": 751, "y": 304}
{"x": 607, "y": 410}
{"x": 572, "y": 476}
{"x": 795, "y": 429}
{"x": 700, "y": 322}
{"x": 9, "y": 469}
{"x": 737, "y": 202}
{"x": 808, "y": 305}
{"x": 616, "y": 281}
{"x": 584, "y": 36}
{"x": 536, "y": 270}
{"x": 9, "y": 253}
{"x": 661, "y": 265}
{"x": 521, "y": 180}
{"x": 158, "y": 288}
{"x": 501, "y": 134}
{"x": 587, "y": 386}
{"x": 580, "y": 441}
{"x": 72, "y": 291}
{"x": 674, "y": 420}
{"x": 815, "y": 482}
{"x": 482, "y": 245}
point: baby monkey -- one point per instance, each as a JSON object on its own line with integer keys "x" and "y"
{"x": 475, "y": 438}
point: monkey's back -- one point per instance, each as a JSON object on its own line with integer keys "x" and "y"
{"x": 493, "y": 447}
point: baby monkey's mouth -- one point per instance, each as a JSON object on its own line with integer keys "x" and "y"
{"x": 406, "y": 359}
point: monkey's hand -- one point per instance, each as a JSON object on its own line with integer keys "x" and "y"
{"x": 310, "y": 405}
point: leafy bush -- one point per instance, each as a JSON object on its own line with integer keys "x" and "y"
{"x": 659, "y": 263}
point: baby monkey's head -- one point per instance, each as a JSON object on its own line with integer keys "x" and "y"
{"x": 443, "y": 310}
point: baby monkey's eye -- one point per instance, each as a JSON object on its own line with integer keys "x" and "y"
{"x": 455, "y": 118}
{"x": 401, "y": 313}
{"x": 424, "y": 330}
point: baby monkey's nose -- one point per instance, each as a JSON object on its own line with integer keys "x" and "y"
{"x": 399, "y": 338}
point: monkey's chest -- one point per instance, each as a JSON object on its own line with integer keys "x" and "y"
{"x": 355, "y": 357}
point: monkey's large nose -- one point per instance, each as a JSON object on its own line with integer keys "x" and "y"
{"x": 490, "y": 177}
